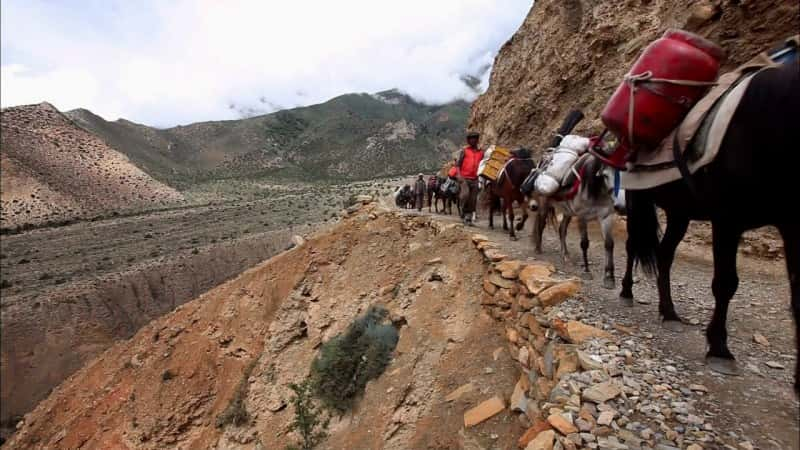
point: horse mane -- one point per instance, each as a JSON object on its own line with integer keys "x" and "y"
{"x": 516, "y": 171}
{"x": 594, "y": 178}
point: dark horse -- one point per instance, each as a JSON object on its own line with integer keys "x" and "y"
{"x": 504, "y": 191}
{"x": 433, "y": 188}
{"x": 448, "y": 198}
{"x": 757, "y": 166}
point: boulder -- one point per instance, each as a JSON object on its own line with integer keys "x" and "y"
{"x": 489, "y": 287}
{"x": 484, "y": 411}
{"x": 556, "y": 294}
{"x": 601, "y": 392}
{"x": 476, "y": 238}
{"x": 494, "y": 255}
{"x": 542, "y": 441}
{"x": 530, "y": 434}
{"x": 455, "y": 395}
{"x": 567, "y": 364}
{"x": 536, "y": 277}
{"x": 509, "y": 269}
{"x": 364, "y": 199}
{"x": 578, "y": 332}
{"x": 560, "y": 423}
{"x": 519, "y": 399}
{"x": 499, "y": 281}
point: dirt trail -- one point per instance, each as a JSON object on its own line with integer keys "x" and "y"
{"x": 759, "y": 405}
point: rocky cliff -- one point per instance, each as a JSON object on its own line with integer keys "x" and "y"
{"x": 573, "y": 53}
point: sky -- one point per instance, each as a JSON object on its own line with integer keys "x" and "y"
{"x": 165, "y": 63}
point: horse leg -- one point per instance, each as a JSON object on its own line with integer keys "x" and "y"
{"x": 724, "y": 284}
{"x": 521, "y": 224}
{"x": 582, "y": 226}
{"x": 607, "y": 228}
{"x": 665, "y": 255}
{"x": 791, "y": 251}
{"x": 509, "y": 206}
{"x": 503, "y": 213}
{"x": 538, "y": 230}
{"x": 626, "y": 294}
{"x": 562, "y": 236}
{"x": 491, "y": 211}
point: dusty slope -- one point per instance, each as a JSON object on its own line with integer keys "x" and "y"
{"x": 97, "y": 282}
{"x": 55, "y": 171}
{"x": 573, "y": 53}
{"x": 126, "y": 399}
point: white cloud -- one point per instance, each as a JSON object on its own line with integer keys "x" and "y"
{"x": 165, "y": 63}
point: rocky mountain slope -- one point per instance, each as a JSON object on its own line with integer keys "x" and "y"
{"x": 353, "y": 136}
{"x": 54, "y": 171}
{"x": 243, "y": 342}
{"x": 573, "y": 53}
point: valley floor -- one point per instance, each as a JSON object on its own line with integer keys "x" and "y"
{"x": 68, "y": 292}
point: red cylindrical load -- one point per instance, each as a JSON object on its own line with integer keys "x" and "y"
{"x": 660, "y": 106}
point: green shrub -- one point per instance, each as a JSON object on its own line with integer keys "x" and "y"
{"x": 347, "y": 362}
{"x": 236, "y": 412}
{"x": 308, "y": 421}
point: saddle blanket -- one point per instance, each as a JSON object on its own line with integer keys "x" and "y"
{"x": 701, "y": 132}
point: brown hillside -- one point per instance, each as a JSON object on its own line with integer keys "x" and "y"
{"x": 169, "y": 383}
{"x": 573, "y": 53}
{"x": 54, "y": 171}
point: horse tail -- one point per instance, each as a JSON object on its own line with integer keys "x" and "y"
{"x": 643, "y": 230}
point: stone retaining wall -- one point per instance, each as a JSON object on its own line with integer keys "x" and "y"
{"x": 562, "y": 410}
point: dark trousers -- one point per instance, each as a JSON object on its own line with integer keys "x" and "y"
{"x": 468, "y": 197}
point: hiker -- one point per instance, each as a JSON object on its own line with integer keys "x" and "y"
{"x": 467, "y": 169}
{"x": 419, "y": 191}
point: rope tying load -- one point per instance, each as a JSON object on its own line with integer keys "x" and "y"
{"x": 647, "y": 77}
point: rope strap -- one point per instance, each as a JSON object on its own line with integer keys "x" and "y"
{"x": 647, "y": 77}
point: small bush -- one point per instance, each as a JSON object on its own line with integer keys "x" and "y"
{"x": 167, "y": 375}
{"x": 236, "y": 412}
{"x": 308, "y": 421}
{"x": 347, "y": 362}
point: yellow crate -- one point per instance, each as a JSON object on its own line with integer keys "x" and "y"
{"x": 499, "y": 156}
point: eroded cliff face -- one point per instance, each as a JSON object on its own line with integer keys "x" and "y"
{"x": 573, "y": 53}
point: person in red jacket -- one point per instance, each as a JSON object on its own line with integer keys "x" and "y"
{"x": 467, "y": 167}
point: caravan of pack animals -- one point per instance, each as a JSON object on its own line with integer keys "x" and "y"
{"x": 698, "y": 145}
{"x": 683, "y": 140}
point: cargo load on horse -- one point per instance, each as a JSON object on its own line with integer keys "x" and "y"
{"x": 494, "y": 158}
{"x": 670, "y": 76}
{"x": 670, "y": 120}
{"x": 559, "y": 163}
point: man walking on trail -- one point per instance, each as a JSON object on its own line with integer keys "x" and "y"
{"x": 419, "y": 191}
{"x": 467, "y": 167}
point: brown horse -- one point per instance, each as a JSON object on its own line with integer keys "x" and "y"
{"x": 433, "y": 188}
{"x": 504, "y": 191}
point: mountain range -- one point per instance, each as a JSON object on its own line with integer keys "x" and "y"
{"x": 353, "y": 136}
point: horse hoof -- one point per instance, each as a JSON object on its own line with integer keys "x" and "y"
{"x": 608, "y": 283}
{"x": 724, "y": 366}
{"x": 673, "y": 325}
{"x": 626, "y": 301}
{"x": 513, "y": 238}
